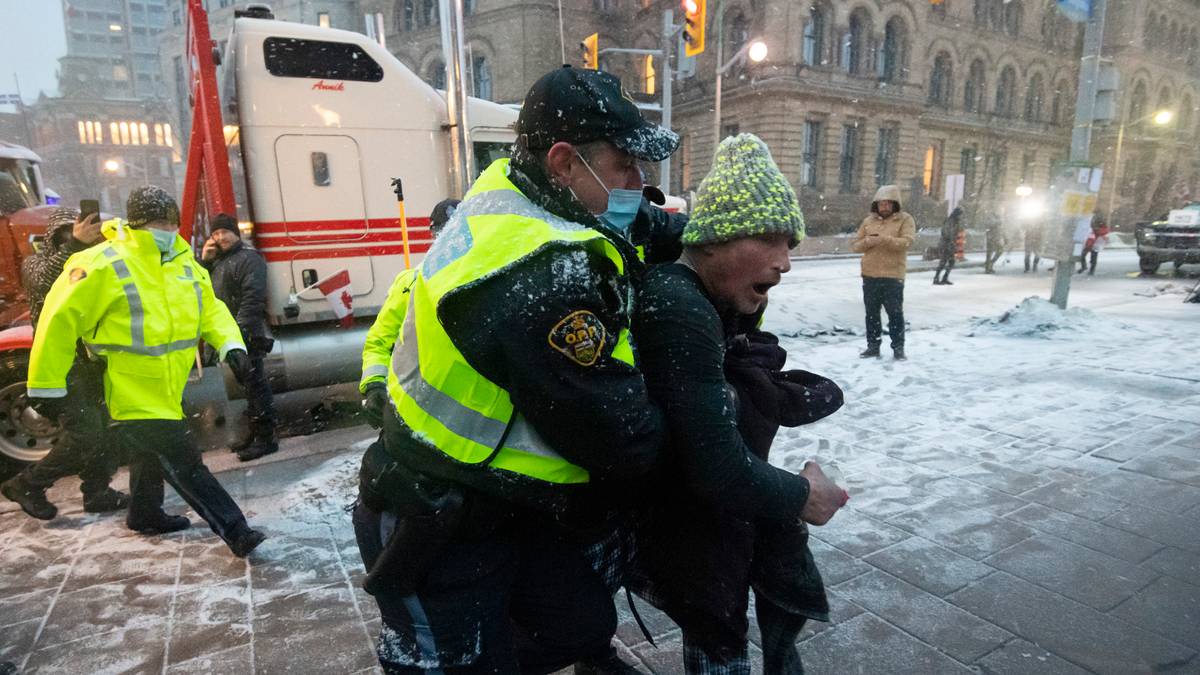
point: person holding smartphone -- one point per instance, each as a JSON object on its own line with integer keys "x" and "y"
{"x": 883, "y": 239}
{"x": 83, "y": 448}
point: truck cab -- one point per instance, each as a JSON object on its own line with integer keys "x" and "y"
{"x": 1175, "y": 239}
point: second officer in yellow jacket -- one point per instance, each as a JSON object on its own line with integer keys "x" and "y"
{"x": 141, "y": 303}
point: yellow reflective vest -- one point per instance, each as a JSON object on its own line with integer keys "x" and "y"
{"x": 442, "y": 399}
{"x": 377, "y": 350}
{"x": 141, "y": 311}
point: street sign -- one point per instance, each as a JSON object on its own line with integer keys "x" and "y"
{"x": 1076, "y": 10}
{"x": 10, "y": 99}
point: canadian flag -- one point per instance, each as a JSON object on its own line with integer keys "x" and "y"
{"x": 336, "y": 289}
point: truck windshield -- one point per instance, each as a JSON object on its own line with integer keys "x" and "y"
{"x": 17, "y": 189}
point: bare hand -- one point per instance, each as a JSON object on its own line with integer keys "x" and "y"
{"x": 209, "y": 252}
{"x": 824, "y": 496}
{"x": 87, "y": 230}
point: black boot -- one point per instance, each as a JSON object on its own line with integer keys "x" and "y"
{"x": 609, "y": 664}
{"x": 936, "y": 281}
{"x": 160, "y": 524}
{"x": 103, "y": 502}
{"x": 946, "y": 281}
{"x": 871, "y": 352}
{"x": 898, "y": 353}
{"x": 31, "y": 500}
{"x": 246, "y": 541}
{"x": 264, "y": 443}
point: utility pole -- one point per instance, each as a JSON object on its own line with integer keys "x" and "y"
{"x": 720, "y": 29}
{"x": 1081, "y": 140}
{"x": 462, "y": 158}
{"x": 668, "y": 37}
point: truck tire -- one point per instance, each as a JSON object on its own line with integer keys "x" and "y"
{"x": 1149, "y": 266}
{"x": 24, "y": 435}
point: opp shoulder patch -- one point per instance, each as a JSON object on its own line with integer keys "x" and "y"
{"x": 579, "y": 336}
{"x": 77, "y": 274}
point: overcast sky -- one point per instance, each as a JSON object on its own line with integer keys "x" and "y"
{"x": 33, "y": 40}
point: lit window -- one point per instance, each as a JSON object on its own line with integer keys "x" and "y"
{"x": 167, "y": 134}
{"x": 145, "y": 133}
{"x": 323, "y": 19}
{"x": 124, "y": 133}
{"x": 82, "y": 134}
{"x": 650, "y": 74}
{"x": 158, "y": 134}
{"x": 114, "y": 133}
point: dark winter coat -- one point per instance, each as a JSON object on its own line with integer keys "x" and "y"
{"x": 239, "y": 278}
{"x": 950, "y": 228}
{"x": 39, "y": 270}
{"x": 697, "y": 541}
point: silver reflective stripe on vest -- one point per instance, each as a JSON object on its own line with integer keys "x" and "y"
{"x": 377, "y": 370}
{"x": 137, "y": 315}
{"x": 456, "y": 417}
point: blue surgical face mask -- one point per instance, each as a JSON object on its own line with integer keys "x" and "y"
{"x": 162, "y": 239}
{"x": 623, "y": 204}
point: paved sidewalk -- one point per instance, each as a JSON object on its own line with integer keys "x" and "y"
{"x": 1019, "y": 505}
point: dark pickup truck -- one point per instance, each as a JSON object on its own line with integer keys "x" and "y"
{"x": 1175, "y": 240}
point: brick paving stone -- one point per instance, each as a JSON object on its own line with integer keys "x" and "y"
{"x": 235, "y": 661}
{"x": 32, "y": 564}
{"x": 284, "y": 630}
{"x": 1132, "y": 447}
{"x": 28, "y": 606}
{"x": 867, "y": 645}
{"x": 1182, "y": 565}
{"x": 880, "y": 497}
{"x": 1002, "y": 478}
{"x": 924, "y": 564}
{"x": 924, "y": 616}
{"x": 1086, "y": 442}
{"x": 841, "y": 610}
{"x": 212, "y": 619}
{"x": 1167, "y": 467}
{"x": 104, "y": 608}
{"x": 1178, "y": 531}
{"x": 1145, "y": 491}
{"x": 17, "y": 639}
{"x": 134, "y": 650}
{"x": 835, "y": 566}
{"x": 1071, "y": 630}
{"x": 968, "y": 531}
{"x": 1084, "y": 575}
{"x": 857, "y": 534}
{"x": 1067, "y": 496}
{"x": 1082, "y": 467}
{"x": 1020, "y": 657}
{"x": 1096, "y": 536}
{"x": 1168, "y": 607}
{"x": 113, "y": 556}
{"x": 966, "y": 492}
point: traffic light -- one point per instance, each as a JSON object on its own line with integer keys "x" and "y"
{"x": 591, "y": 51}
{"x": 693, "y": 27}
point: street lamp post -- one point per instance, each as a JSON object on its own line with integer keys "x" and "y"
{"x": 1160, "y": 118}
{"x": 756, "y": 49}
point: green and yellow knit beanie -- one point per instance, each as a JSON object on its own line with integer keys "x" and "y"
{"x": 744, "y": 195}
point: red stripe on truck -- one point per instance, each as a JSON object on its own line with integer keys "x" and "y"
{"x": 286, "y": 226}
{"x": 280, "y": 242}
{"x": 352, "y": 252}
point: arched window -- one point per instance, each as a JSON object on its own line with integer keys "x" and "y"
{"x": 1164, "y": 100}
{"x": 996, "y": 15}
{"x": 1137, "y": 105}
{"x": 854, "y": 45}
{"x": 1035, "y": 95}
{"x": 1163, "y": 29}
{"x": 981, "y": 12}
{"x": 1193, "y": 49}
{"x": 1012, "y": 17}
{"x": 468, "y": 7}
{"x": 941, "y": 80}
{"x": 429, "y": 13}
{"x": 1148, "y": 30}
{"x": 1172, "y": 36}
{"x": 481, "y": 78}
{"x": 739, "y": 33}
{"x": 891, "y": 57}
{"x": 1006, "y": 90}
{"x": 814, "y": 36}
{"x": 974, "y": 89}
{"x": 1049, "y": 24}
{"x": 436, "y": 76}
{"x": 1185, "y": 112}
{"x": 1059, "y": 108}
{"x": 406, "y": 12}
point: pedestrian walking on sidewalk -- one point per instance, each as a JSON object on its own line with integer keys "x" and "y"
{"x": 993, "y": 225}
{"x": 84, "y": 446}
{"x": 947, "y": 247}
{"x": 723, "y": 518}
{"x": 1095, "y": 243}
{"x": 1033, "y": 244}
{"x": 883, "y": 239}
{"x": 141, "y": 302}
{"x": 239, "y": 279}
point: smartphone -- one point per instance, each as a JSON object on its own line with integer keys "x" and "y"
{"x": 87, "y": 207}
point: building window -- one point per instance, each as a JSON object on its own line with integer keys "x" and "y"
{"x": 974, "y": 89}
{"x": 405, "y": 15}
{"x": 931, "y": 177}
{"x": 481, "y": 77}
{"x": 468, "y": 7}
{"x": 1185, "y": 113}
{"x": 1012, "y": 17}
{"x": 604, "y": 5}
{"x": 1137, "y": 106}
{"x": 891, "y": 57}
{"x": 941, "y": 81}
{"x": 997, "y": 167}
{"x": 649, "y": 75}
{"x": 810, "y": 167}
{"x": 885, "y": 156}
{"x": 1056, "y": 104}
{"x": 429, "y": 13}
{"x": 814, "y": 36}
{"x": 739, "y": 33}
{"x": 966, "y": 166}
{"x": 1027, "y": 161}
{"x": 1006, "y": 91}
{"x": 732, "y": 130}
{"x": 437, "y": 75}
{"x": 1035, "y": 96}
{"x": 323, "y": 19}
{"x": 848, "y": 168}
{"x": 854, "y": 44}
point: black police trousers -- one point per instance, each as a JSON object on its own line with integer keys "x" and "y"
{"x": 260, "y": 402}
{"x": 519, "y": 600}
{"x": 164, "y": 450}
{"x": 83, "y": 448}
{"x": 880, "y": 292}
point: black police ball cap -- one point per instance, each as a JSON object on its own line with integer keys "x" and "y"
{"x": 149, "y": 204}
{"x": 580, "y": 106}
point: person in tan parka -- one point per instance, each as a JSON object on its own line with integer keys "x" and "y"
{"x": 884, "y": 238}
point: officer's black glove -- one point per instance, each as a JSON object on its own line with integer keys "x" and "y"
{"x": 50, "y": 408}
{"x": 239, "y": 362}
{"x": 374, "y": 403}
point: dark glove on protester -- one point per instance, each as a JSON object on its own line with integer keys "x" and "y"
{"x": 658, "y": 232}
{"x": 805, "y": 397}
{"x": 375, "y": 401}
{"x": 239, "y": 363}
{"x": 50, "y": 408}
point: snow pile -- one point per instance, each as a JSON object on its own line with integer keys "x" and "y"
{"x": 1164, "y": 288}
{"x": 1039, "y": 318}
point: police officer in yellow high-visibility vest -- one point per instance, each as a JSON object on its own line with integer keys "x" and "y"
{"x": 382, "y": 336}
{"x": 141, "y": 303}
{"x": 518, "y": 418}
